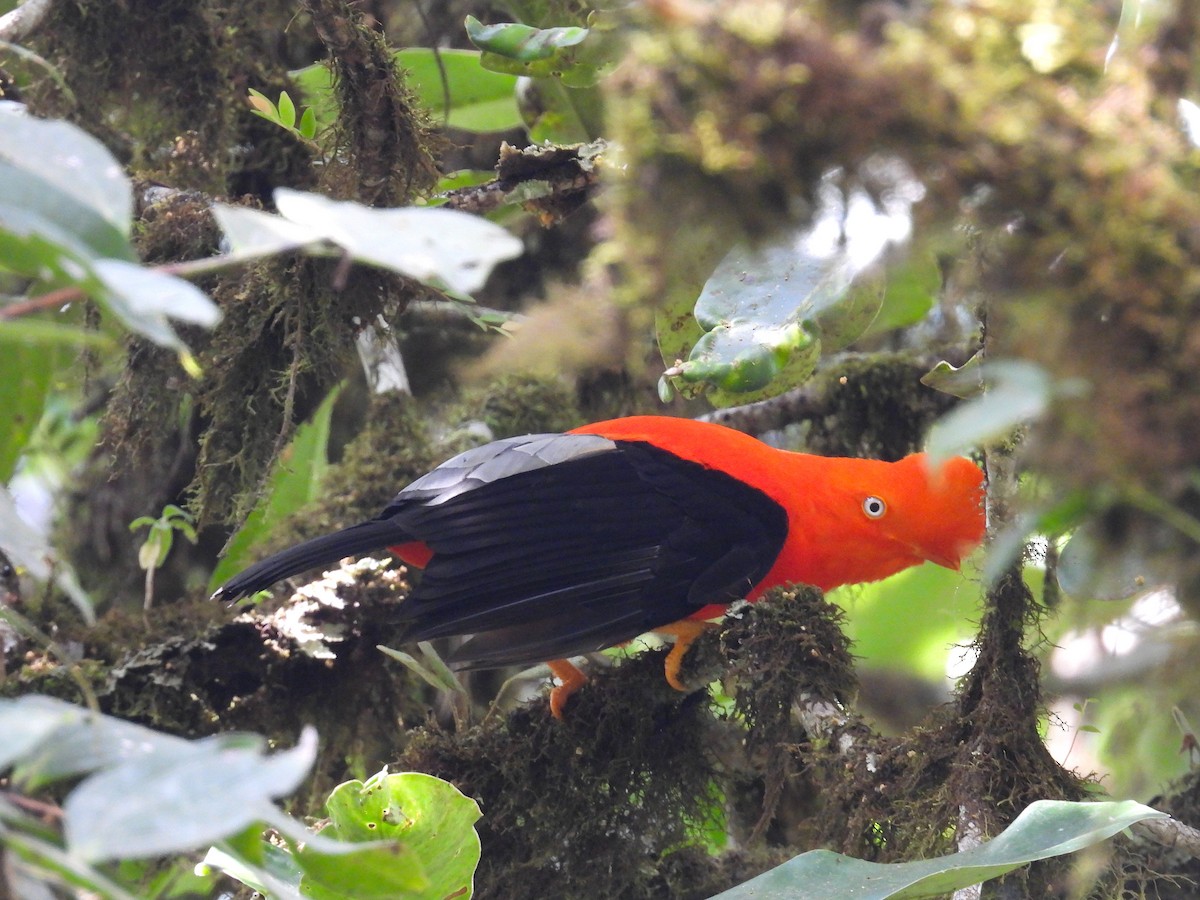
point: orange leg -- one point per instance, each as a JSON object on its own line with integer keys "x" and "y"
{"x": 685, "y": 633}
{"x": 570, "y": 680}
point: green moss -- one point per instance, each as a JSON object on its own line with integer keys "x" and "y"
{"x": 527, "y": 404}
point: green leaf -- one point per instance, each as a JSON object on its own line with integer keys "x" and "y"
{"x": 294, "y": 482}
{"x": 182, "y": 798}
{"x": 392, "y": 870}
{"x": 906, "y": 623}
{"x": 433, "y": 671}
{"x": 252, "y": 233}
{"x": 308, "y": 124}
{"x": 265, "y": 867}
{"x": 768, "y": 314}
{"x": 315, "y": 84}
{"x": 524, "y": 43}
{"x": 287, "y": 111}
{"x": 36, "y": 247}
{"x": 480, "y": 100}
{"x": 1044, "y": 829}
{"x": 959, "y": 381}
{"x": 911, "y": 290}
{"x": 579, "y": 57}
{"x": 26, "y": 372}
{"x": 430, "y": 817}
{"x": 48, "y": 335}
{"x": 68, "y": 176}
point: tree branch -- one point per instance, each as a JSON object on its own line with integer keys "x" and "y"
{"x": 21, "y": 22}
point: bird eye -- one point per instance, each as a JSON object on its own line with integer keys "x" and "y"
{"x": 874, "y": 507}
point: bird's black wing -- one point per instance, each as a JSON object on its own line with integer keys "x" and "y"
{"x": 576, "y": 543}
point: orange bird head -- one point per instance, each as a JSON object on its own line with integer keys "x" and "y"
{"x": 939, "y": 510}
{"x": 889, "y": 516}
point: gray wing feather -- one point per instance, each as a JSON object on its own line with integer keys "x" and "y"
{"x": 497, "y": 460}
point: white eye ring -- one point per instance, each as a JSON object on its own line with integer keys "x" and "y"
{"x": 874, "y": 507}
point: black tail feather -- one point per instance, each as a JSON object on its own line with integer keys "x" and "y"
{"x": 373, "y": 535}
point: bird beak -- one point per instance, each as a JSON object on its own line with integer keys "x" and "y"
{"x": 946, "y": 560}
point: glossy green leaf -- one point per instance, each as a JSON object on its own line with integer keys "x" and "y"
{"x": 295, "y": 481}
{"x": 524, "y": 43}
{"x": 445, "y": 248}
{"x": 768, "y": 314}
{"x": 577, "y": 56}
{"x": 265, "y": 867}
{"x": 252, "y": 233}
{"x": 557, "y": 115}
{"x": 308, "y": 123}
{"x": 34, "y": 246}
{"x": 1044, "y": 829}
{"x": 431, "y": 818}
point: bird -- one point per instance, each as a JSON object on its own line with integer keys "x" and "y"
{"x": 544, "y": 547}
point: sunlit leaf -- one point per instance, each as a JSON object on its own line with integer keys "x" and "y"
{"x": 1044, "y": 829}
{"x": 145, "y": 299}
{"x": 308, "y": 124}
{"x": 29, "y": 549}
{"x": 911, "y": 290}
{"x": 182, "y": 798}
{"x": 437, "y": 246}
{"x": 252, "y": 233}
{"x": 390, "y": 871}
{"x": 1015, "y": 392}
{"x": 767, "y": 314}
{"x": 78, "y": 741}
{"x": 262, "y": 105}
{"x": 66, "y": 162}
